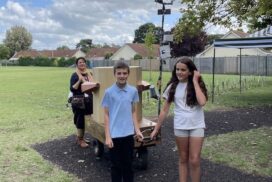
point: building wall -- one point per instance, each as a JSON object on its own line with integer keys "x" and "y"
{"x": 231, "y": 52}
{"x": 79, "y": 54}
{"x": 125, "y": 53}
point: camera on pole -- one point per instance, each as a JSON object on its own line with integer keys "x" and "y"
{"x": 165, "y": 2}
{"x": 164, "y": 11}
{"x": 165, "y": 51}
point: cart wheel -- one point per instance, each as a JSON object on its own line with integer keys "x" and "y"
{"x": 141, "y": 158}
{"x": 98, "y": 148}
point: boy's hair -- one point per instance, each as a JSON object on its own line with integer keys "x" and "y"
{"x": 120, "y": 65}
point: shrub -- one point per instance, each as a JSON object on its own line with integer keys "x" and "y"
{"x": 137, "y": 56}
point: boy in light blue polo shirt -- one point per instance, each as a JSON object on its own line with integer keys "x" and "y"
{"x": 121, "y": 123}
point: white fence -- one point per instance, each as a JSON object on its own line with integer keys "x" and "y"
{"x": 251, "y": 65}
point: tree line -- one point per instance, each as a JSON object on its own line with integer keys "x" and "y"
{"x": 43, "y": 61}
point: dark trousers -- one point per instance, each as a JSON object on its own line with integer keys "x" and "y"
{"x": 79, "y": 119}
{"x": 79, "y": 114}
{"x": 121, "y": 156}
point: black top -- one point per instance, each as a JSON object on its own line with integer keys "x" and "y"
{"x": 88, "y": 100}
{"x": 73, "y": 80}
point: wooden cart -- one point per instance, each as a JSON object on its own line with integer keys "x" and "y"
{"x": 94, "y": 124}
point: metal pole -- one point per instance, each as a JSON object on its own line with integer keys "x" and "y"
{"x": 159, "y": 82}
{"x": 240, "y": 70}
{"x": 213, "y": 70}
{"x": 266, "y": 71}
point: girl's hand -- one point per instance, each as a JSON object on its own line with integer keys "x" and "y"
{"x": 109, "y": 142}
{"x": 81, "y": 79}
{"x": 196, "y": 76}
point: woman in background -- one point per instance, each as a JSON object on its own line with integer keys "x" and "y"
{"x": 80, "y": 76}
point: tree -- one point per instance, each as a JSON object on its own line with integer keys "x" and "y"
{"x": 188, "y": 24}
{"x": 189, "y": 36}
{"x": 63, "y": 47}
{"x": 84, "y": 45}
{"x": 190, "y": 45}
{"x": 4, "y": 52}
{"x": 211, "y": 37}
{"x": 105, "y": 45}
{"x": 17, "y": 39}
{"x": 231, "y": 13}
{"x": 149, "y": 41}
{"x": 108, "y": 55}
{"x": 137, "y": 57}
{"x": 96, "y": 45}
{"x": 141, "y": 32}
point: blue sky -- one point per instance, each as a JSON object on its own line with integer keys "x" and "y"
{"x": 31, "y": 3}
{"x": 54, "y": 23}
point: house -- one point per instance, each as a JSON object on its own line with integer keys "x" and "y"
{"x": 128, "y": 51}
{"x": 232, "y": 52}
{"x": 100, "y": 53}
{"x": 48, "y": 53}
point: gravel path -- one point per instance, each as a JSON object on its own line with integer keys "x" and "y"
{"x": 162, "y": 158}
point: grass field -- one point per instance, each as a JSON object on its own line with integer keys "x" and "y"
{"x": 32, "y": 110}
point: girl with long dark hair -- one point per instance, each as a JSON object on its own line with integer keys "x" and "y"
{"x": 187, "y": 90}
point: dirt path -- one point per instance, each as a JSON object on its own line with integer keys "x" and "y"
{"x": 162, "y": 158}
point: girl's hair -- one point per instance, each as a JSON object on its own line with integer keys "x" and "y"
{"x": 190, "y": 92}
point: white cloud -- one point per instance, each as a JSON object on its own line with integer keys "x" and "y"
{"x": 68, "y": 21}
{"x": 65, "y": 22}
{"x": 16, "y": 8}
{"x": 211, "y": 29}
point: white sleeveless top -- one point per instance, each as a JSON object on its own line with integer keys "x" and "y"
{"x": 185, "y": 117}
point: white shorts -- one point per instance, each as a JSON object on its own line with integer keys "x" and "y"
{"x": 199, "y": 132}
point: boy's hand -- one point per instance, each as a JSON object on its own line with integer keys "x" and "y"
{"x": 153, "y": 134}
{"x": 109, "y": 142}
{"x": 139, "y": 135}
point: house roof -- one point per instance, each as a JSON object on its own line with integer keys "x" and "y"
{"x": 100, "y": 52}
{"x": 45, "y": 53}
{"x": 240, "y": 33}
{"x": 236, "y": 33}
{"x": 143, "y": 51}
{"x": 26, "y": 53}
{"x": 58, "y": 53}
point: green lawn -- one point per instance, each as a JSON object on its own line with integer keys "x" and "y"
{"x": 32, "y": 110}
{"x": 249, "y": 151}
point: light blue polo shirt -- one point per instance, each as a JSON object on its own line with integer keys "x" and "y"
{"x": 119, "y": 103}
